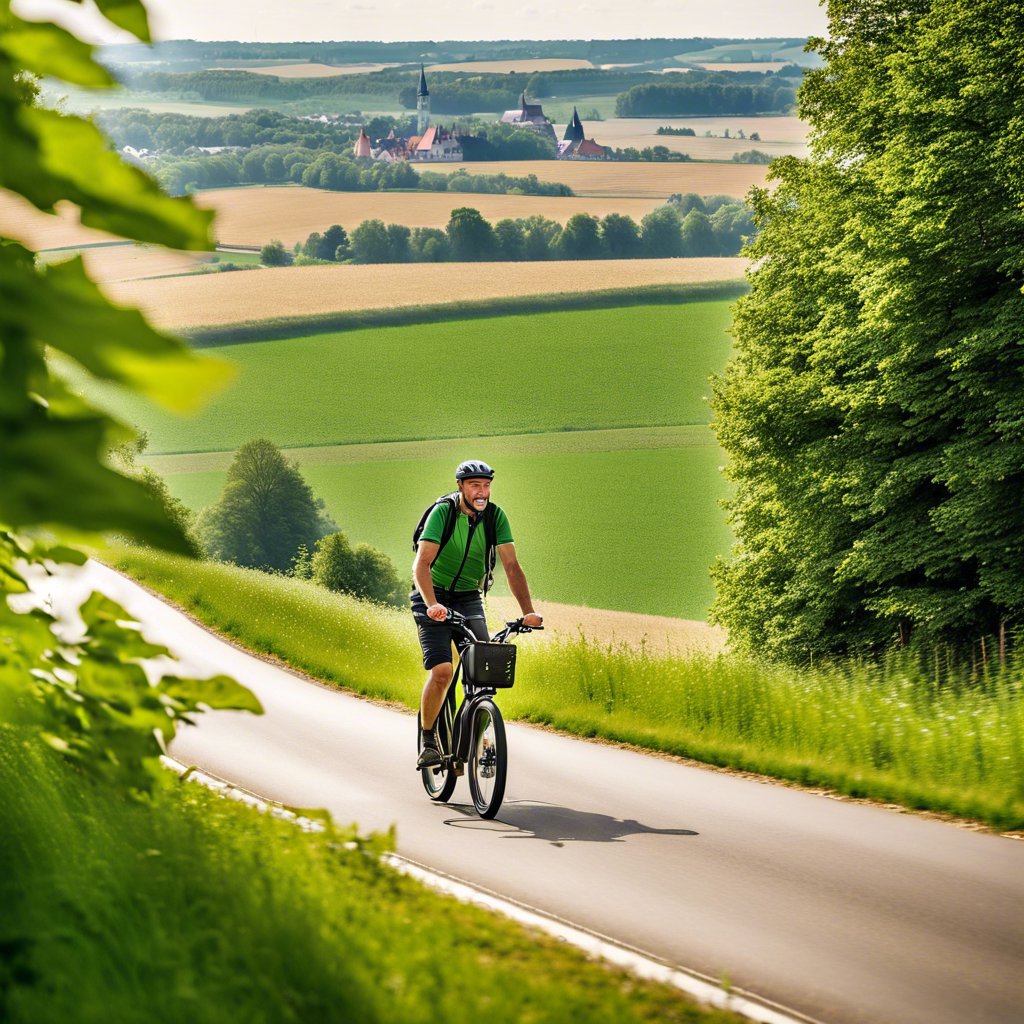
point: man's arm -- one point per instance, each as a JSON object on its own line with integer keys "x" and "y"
{"x": 518, "y": 585}
{"x": 426, "y": 552}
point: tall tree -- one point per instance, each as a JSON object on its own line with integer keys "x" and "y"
{"x": 265, "y": 512}
{"x": 873, "y": 411}
{"x": 471, "y": 237}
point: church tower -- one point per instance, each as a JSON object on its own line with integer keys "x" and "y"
{"x": 422, "y": 105}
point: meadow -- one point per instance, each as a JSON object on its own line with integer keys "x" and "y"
{"x": 600, "y": 448}
{"x": 889, "y": 731}
{"x": 253, "y": 216}
{"x": 294, "y": 293}
{"x": 189, "y": 906}
{"x": 535, "y": 373}
{"x": 577, "y": 517}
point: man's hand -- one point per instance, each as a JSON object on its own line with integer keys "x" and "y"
{"x": 533, "y": 619}
{"x": 438, "y": 612}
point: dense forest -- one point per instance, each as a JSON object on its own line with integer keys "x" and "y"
{"x": 686, "y": 98}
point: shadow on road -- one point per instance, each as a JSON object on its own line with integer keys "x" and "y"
{"x": 558, "y": 825}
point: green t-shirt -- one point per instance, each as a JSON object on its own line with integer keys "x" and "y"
{"x": 449, "y": 558}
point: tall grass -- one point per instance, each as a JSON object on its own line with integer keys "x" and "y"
{"x": 884, "y": 731}
{"x": 189, "y": 907}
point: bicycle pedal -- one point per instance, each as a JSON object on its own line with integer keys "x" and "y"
{"x": 459, "y": 768}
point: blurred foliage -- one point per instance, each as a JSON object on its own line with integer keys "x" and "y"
{"x": 88, "y": 696}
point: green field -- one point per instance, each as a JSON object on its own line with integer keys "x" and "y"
{"x": 595, "y": 419}
{"x": 577, "y": 515}
{"x": 582, "y": 370}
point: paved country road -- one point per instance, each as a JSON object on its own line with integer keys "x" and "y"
{"x": 849, "y": 913}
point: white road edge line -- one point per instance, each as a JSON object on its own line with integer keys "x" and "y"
{"x": 702, "y": 988}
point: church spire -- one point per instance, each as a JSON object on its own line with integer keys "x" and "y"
{"x": 422, "y": 104}
{"x": 574, "y": 129}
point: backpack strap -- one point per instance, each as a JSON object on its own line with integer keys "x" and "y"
{"x": 451, "y": 503}
{"x": 491, "y": 552}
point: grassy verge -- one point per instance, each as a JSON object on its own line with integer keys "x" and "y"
{"x": 886, "y": 732}
{"x": 186, "y": 906}
{"x": 354, "y": 320}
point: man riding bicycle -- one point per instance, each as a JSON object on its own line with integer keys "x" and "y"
{"x": 448, "y": 572}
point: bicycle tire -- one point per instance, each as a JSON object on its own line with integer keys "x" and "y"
{"x": 438, "y": 783}
{"x": 488, "y": 759}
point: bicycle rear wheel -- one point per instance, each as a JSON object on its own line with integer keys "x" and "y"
{"x": 439, "y": 782}
{"x": 488, "y": 759}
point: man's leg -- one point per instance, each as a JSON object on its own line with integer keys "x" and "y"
{"x": 434, "y": 692}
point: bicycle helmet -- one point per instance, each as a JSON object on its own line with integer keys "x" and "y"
{"x": 472, "y": 469}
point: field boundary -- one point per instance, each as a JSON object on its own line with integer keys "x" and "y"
{"x": 279, "y": 328}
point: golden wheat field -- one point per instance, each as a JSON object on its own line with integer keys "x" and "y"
{"x": 309, "y": 70}
{"x": 20, "y": 220}
{"x": 254, "y": 216}
{"x": 129, "y": 262}
{"x": 608, "y": 179}
{"x": 658, "y": 633}
{"x": 756, "y": 65}
{"x": 217, "y": 299}
{"x": 57, "y": 237}
{"x": 502, "y": 67}
{"x": 779, "y": 136}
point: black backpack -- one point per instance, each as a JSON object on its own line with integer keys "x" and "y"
{"x": 451, "y": 503}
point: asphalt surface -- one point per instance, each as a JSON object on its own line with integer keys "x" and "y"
{"x": 845, "y": 912}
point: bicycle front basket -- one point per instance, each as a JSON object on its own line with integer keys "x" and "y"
{"x": 487, "y": 664}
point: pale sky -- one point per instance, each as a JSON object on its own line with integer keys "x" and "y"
{"x": 289, "y": 20}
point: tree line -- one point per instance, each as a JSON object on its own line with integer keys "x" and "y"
{"x": 721, "y": 93}
{"x": 599, "y": 51}
{"x": 686, "y": 226}
{"x": 339, "y": 172}
{"x": 686, "y": 99}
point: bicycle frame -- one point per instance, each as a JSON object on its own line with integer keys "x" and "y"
{"x": 458, "y": 723}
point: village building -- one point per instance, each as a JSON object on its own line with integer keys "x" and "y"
{"x": 529, "y": 115}
{"x": 430, "y": 143}
{"x": 576, "y": 146}
{"x": 436, "y": 143}
{"x": 362, "y": 146}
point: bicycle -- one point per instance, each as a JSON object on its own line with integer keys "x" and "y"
{"x": 474, "y": 736}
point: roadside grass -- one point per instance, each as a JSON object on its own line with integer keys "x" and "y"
{"x": 188, "y": 906}
{"x": 567, "y": 509}
{"x": 527, "y": 373}
{"x": 889, "y": 732}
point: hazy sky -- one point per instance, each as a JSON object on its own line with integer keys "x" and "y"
{"x": 287, "y": 20}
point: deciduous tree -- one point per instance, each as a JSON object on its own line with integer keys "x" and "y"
{"x": 873, "y": 412}
{"x": 265, "y": 512}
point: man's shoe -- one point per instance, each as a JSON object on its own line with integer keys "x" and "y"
{"x": 429, "y": 758}
{"x": 429, "y": 755}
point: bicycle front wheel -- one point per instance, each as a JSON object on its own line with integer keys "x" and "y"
{"x": 488, "y": 759}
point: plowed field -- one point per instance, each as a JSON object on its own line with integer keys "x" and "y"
{"x": 213, "y": 299}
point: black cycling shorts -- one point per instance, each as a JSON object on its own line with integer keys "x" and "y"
{"x": 436, "y": 637}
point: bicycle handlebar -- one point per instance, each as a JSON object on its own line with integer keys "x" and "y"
{"x": 515, "y": 626}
